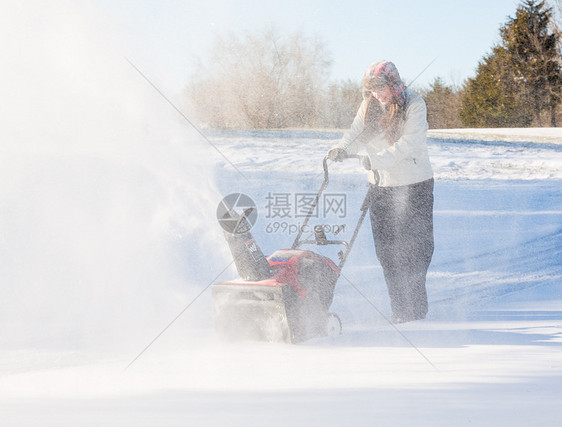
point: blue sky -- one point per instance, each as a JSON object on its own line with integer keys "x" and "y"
{"x": 163, "y": 37}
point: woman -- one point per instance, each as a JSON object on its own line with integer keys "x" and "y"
{"x": 391, "y": 126}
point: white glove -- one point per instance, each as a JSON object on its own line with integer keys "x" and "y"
{"x": 365, "y": 162}
{"x": 337, "y": 154}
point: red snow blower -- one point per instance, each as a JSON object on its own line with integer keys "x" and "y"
{"x": 286, "y": 296}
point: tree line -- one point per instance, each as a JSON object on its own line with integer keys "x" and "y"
{"x": 264, "y": 81}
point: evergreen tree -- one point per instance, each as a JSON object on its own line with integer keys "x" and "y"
{"x": 491, "y": 99}
{"x": 534, "y": 56}
{"x": 522, "y": 75}
{"x": 443, "y": 104}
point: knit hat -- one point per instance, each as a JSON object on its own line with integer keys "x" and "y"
{"x": 385, "y": 73}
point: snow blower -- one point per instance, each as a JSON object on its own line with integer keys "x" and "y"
{"x": 286, "y": 296}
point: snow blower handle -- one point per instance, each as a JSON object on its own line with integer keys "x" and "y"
{"x": 297, "y": 242}
{"x": 338, "y": 154}
{"x": 342, "y": 155}
{"x": 363, "y": 159}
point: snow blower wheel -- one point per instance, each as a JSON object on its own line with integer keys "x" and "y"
{"x": 333, "y": 325}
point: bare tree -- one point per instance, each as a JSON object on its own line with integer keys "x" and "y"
{"x": 341, "y": 102}
{"x": 261, "y": 81}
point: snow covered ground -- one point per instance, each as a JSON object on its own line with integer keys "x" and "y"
{"x": 109, "y": 241}
{"x": 489, "y": 352}
{"x": 532, "y": 135}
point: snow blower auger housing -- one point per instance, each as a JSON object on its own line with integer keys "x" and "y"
{"x": 286, "y": 296}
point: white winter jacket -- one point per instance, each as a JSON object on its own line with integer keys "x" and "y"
{"x": 403, "y": 163}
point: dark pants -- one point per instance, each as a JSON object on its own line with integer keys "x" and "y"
{"x": 402, "y": 224}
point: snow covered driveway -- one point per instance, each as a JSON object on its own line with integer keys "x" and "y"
{"x": 489, "y": 353}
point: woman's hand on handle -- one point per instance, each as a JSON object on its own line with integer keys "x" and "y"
{"x": 337, "y": 154}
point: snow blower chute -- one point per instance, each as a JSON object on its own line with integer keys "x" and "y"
{"x": 286, "y": 296}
